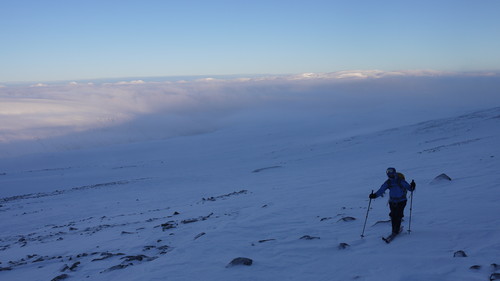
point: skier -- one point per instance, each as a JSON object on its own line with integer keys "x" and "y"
{"x": 398, "y": 187}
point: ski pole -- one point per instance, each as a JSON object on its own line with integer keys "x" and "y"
{"x": 411, "y": 208}
{"x": 368, "y": 210}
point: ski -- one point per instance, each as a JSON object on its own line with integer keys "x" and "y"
{"x": 391, "y": 237}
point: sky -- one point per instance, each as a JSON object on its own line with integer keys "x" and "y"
{"x": 70, "y": 40}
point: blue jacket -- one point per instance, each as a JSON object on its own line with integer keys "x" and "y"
{"x": 397, "y": 189}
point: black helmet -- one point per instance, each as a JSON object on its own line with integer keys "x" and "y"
{"x": 391, "y": 172}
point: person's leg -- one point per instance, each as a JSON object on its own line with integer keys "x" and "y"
{"x": 397, "y": 214}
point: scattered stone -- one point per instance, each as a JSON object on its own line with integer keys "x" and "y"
{"x": 199, "y": 235}
{"x": 73, "y": 228}
{"x": 116, "y": 267}
{"x": 459, "y": 254}
{"x": 308, "y": 237}
{"x": 74, "y": 266}
{"x": 189, "y": 221}
{"x": 495, "y": 266}
{"x": 147, "y": 248}
{"x": 5, "y": 268}
{"x": 266, "y": 240}
{"x": 240, "y": 261}
{"x": 176, "y": 213}
{"x": 495, "y": 276}
{"x": 138, "y": 258}
{"x": 347, "y": 219}
{"x": 127, "y": 232}
{"x": 107, "y": 255}
{"x": 169, "y": 225}
{"x": 325, "y": 219}
{"x": 60, "y": 277}
{"x": 441, "y": 178}
{"x": 386, "y": 221}
{"x": 475, "y": 267}
{"x": 266, "y": 168}
{"x": 40, "y": 259}
{"x": 343, "y": 246}
{"x": 244, "y": 191}
{"x": 163, "y": 249}
{"x": 202, "y": 218}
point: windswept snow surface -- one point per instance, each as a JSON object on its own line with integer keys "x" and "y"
{"x": 184, "y": 207}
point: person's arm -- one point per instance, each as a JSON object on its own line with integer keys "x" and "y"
{"x": 408, "y": 186}
{"x": 381, "y": 190}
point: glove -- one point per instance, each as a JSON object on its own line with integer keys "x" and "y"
{"x": 372, "y": 196}
{"x": 413, "y": 185}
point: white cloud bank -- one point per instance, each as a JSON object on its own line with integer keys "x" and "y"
{"x": 78, "y": 115}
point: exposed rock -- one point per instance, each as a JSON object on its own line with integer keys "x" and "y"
{"x": 266, "y": 168}
{"x": 343, "y": 246}
{"x": 459, "y": 254}
{"x": 5, "y": 268}
{"x": 266, "y": 240}
{"x": 441, "y": 178}
{"x": 169, "y": 225}
{"x": 386, "y": 221}
{"x": 202, "y": 218}
{"x": 134, "y": 258}
{"x": 60, "y": 277}
{"x": 163, "y": 249}
{"x": 495, "y": 266}
{"x": 244, "y": 191}
{"x": 307, "y": 237}
{"x": 74, "y": 266}
{"x": 475, "y": 267}
{"x": 116, "y": 267}
{"x": 107, "y": 255}
{"x": 240, "y": 261}
{"x": 347, "y": 219}
{"x": 495, "y": 276}
{"x": 147, "y": 248}
{"x": 199, "y": 235}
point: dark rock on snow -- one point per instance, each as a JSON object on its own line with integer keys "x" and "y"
{"x": 459, "y": 254}
{"x": 240, "y": 261}
{"x": 441, "y": 178}
{"x": 347, "y": 219}
{"x": 495, "y": 276}
{"x": 169, "y": 225}
{"x": 343, "y": 246}
{"x": 307, "y": 237}
{"x": 60, "y": 277}
{"x": 475, "y": 267}
{"x": 266, "y": 240}
{"x": 199, "y": 235}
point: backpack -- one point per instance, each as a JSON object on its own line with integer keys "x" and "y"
{"x": 400, "y": 177}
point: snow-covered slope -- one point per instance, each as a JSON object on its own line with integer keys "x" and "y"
{"x": 286, "y": 197}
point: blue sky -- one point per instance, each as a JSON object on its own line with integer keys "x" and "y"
{"x": 71, "y": 40}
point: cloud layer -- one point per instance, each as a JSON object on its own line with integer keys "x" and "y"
{"x": 138, "y": 110}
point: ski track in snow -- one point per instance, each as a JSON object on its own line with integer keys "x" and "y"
{"x": 178, "y": 210}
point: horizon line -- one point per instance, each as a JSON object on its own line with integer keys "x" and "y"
{"x": 367, "y": 73}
